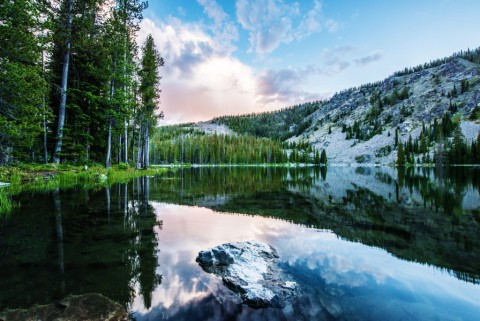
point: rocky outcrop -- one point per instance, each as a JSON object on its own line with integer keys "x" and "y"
{"x": 250, "y": 269}
{"x": 86, "y": 307}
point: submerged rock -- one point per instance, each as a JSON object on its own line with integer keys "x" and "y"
{"x": 86, "y": 307}
{"x": 251, "y": 269}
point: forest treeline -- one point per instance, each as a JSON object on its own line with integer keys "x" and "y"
{"x": 187, "y": 145}
{"x": 280, "y": 124}
{"x": 72, "y": 85}
{"x": 456, "y": 150}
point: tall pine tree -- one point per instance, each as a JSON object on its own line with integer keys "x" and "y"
{"x": 150, "y": 93}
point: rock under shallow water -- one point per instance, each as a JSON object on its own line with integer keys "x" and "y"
{"x": 86, "y": 307}
{"x": 251, "y": 269}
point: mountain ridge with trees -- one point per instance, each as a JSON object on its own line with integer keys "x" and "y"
{"x": 430, "y": 110}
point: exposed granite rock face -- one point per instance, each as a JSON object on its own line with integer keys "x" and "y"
{"x": 251, "y": 269}
{"x": 86, "y": 307}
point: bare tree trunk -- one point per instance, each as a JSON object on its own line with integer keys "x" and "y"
{"x": 63, "y": 94}
{"x": 125, "y": 134}
{"x": 110, "y": 121}
{"x": 44, "y": 123}
{"x": 125, "y": 140}
{"x": 119, "y": 149}
{"x": 139, "y": 149}
{"x": 109, "y": 144}
{"x": 146, "y": 149}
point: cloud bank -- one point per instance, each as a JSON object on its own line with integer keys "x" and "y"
{"x": 203, "y": 78}
{"x": 273, "y": 22}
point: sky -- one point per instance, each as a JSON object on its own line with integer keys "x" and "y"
{"x": 230, "y": 57}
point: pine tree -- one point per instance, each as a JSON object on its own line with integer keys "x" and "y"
{"x": 149, "y": 81}
{"x": 458, "y": 149}
{"x": 396, "y": 137}
{"x": 400, "y": 155}
{"x": 316, "y": 158}
{"x": 323, "y": 157}
{"x": 22, "y": 84}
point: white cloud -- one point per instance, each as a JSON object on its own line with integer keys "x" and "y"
{"x": 269, "y": 22}
{"x": 332, "y": 25}
{"x": 200, "y": 79}
{"x": 181, "y": 11}
{"x": 373, "y": 57}
{"x": 213, "y": 11}
{"x": 223, "y": 29}
{"x": 273, "y": 22}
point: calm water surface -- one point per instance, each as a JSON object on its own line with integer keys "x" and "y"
{"x": 363, "y": 243}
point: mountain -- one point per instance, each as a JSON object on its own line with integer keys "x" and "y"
{"x": 418, "y": 107}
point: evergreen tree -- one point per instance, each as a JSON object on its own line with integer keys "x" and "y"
{"x": 316, "y": 159}
{"x": 396, "y": 137}
{"x": 149, "y": 91}
{"x": 323, "y": 157}
{"x": 457, "y": 154}
{"x": 400, "y": 155}
{"x": 22, "y": 84}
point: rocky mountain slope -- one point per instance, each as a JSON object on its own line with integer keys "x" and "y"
{"x": 359, "y": 125}
{"x": 429, "y": 98}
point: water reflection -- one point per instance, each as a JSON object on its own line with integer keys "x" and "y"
{"x": 84, "y": 241}
{"x": 417, "y": 214}
{"x": 358, "y": 237}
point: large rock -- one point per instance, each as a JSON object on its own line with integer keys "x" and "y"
{"x": 251, "y": 269}
{"x": 86, "y": 307}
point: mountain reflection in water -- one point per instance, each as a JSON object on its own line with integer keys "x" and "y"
{"x": 364, "y": 243}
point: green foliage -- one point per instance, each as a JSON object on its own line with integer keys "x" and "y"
{"x": 197, "y": 148}
{"x": 123, "y": 166}
{"x": 6, "y": 203}
{"x": 103, "y": 91}
{"x": 400, "y": 155}
{"x": 323, "y": 158}
{"x": 475, "y": 114}
{"x": 280, "y": 125}
{"x": 360, "y": 159}
{"x": 470, "y": 55}
{"x": 22, "y": 82}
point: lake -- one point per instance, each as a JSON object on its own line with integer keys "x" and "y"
{"x": 364, "y": 243}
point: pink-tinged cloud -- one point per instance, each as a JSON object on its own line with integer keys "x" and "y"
{"x": 202, "y": 79}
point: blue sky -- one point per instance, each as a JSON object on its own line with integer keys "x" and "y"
{"x": 227, "y": 57}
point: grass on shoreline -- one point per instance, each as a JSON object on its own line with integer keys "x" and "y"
{"x": 46, "y": 177}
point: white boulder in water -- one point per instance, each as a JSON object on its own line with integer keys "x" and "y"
{"x": 251, "y": 269}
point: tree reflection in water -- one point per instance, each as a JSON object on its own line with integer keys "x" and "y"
{"x": 108, "y": 240}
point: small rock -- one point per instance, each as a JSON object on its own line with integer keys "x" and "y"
{"x": 250, "y": 269}
{"x": 86, "y": 307}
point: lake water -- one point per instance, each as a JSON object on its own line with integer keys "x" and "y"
{"x": 363, "y": 243}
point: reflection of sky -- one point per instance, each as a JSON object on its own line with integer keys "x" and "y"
{"x": 340, "y": 279}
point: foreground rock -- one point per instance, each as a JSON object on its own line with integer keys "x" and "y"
{"x": 251, "y": 269}
{"x": 86, "y": 307}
